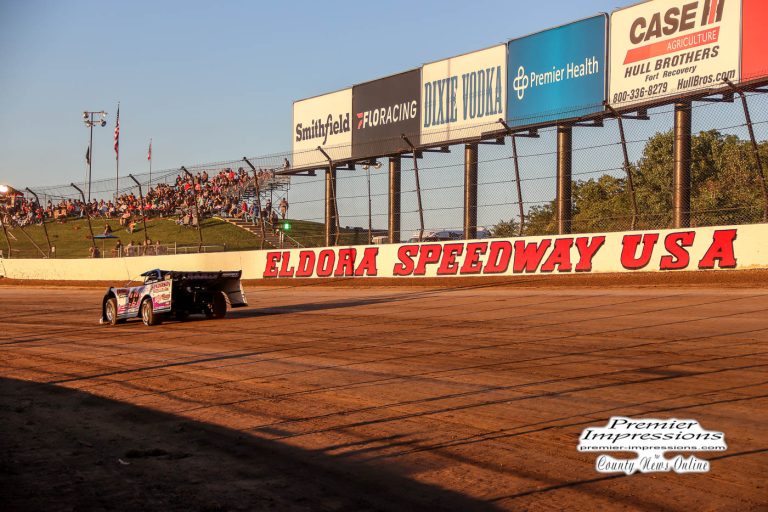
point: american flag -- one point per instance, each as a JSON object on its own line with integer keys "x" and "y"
{"x": 117, "y": 133}
{"x": 149, "y": 153}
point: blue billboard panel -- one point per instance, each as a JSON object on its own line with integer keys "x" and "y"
{"x": 557, "y": 74}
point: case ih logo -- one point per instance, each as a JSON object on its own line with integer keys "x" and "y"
{"x": 673, "y": 21}
{"x": 387, "y": 115}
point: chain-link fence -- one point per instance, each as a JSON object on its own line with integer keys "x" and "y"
{"x": 726, "y": 186}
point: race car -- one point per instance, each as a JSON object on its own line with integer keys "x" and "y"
{"x": 174, "y": 294}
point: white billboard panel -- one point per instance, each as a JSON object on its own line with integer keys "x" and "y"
{"x": 324, "y": 121}
{"x": 665, "y": 48}
{"x": 463, "y": 96}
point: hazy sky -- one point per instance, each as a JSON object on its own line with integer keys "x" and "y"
{"x": 211, "y": 81}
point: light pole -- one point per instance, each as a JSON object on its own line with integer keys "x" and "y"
{"x": 89, "y": 118}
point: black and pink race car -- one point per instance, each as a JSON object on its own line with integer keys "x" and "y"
{"x": 174, "y": 294}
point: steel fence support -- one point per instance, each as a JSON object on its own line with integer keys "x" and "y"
{"x": 418, "y": 185}
{"x": 470, "y": 191}
{"x": 143, "y": 212}
{"x": 564, "y": 178}
{"x": 331, "y": 233}
{"x": 261, "y": 223}
{"x": 5, "y": 232}
{"x": 395, "y": 187}
{"x": 87, "y": 215}
{"x": 627, "y": 167}
{"x": 755, "y": 147}
{"x": 197, "y": 210}
{"x": 519, "y": 186}
{"x": 45, "y": 228}
{"x": 682, "y": 170}
{"x": 332, "y": 226}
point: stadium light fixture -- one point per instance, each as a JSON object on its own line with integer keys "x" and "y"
{"x": 90, "y": 121}
{"x": 3, "y": 189}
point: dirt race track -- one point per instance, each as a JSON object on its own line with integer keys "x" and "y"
{"x": 322, "y": 398}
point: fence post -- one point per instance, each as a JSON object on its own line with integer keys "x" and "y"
{"x": 564, "y": 177}
{"x": 45, "y": 228}
{"x": 627, "y": 166}
{"x": 332, "y": 226}
{"x": 197, "y": 210}
{"x": 470, "y": 191}
{"x": 5, "y": 231}
{"x": 395, "y": 185}
{"x": 87, "y": 216}
{"x": 682, "y": 170}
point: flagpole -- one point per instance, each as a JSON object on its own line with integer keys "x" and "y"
{"x": 117, "y": 153}
{"x": 150, "y": 163}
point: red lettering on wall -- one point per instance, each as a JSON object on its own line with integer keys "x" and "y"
{"x": 325, "y": 261}
{"x": 629, "y": 259}
{"x": 272, "y": 259}
{"x": 499, "y": 255}
{"x": 721, "y": 250}
{"x": 587, "y": 251}
{"x": 367, "y": 267}
{"x": 448, "y": 265}
{"x": 405, "y": 255}
{"x": 286, "y": 271}
{"x": 428, "y": 254}
{"x": 675, "y": 244}
{"x": 346, "y": 263}
{"x": 560, "y": 257}
{"x": 306, "y": 266}
{"x": 528, "y": 256}
{"x": 472, "y": 263}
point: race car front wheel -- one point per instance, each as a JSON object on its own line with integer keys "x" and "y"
{"x": 148, "y": 315}
{"x": 110, "y": 310}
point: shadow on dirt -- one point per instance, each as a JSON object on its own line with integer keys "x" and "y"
{"x": 61, "y": 449}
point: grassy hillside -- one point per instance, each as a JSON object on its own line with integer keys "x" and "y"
{"x": 72, "y": 239}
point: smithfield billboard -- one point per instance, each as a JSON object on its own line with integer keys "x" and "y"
{"x": 668, "y": 48}
{"x": 324, "y": 121}
{"x": 384, "y": 110}
{"x": 559, "y": 73}
{"x": 463, "y": 96}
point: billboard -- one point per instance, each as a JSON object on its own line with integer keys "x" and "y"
{"x": 383, "y": 110}
{"x": 559, "y": 73}
{"x": 668, "y": 48}
{"x": 463, "y": 96}
{"x": 324, "y": 121}
{"x": 754, "y": 49}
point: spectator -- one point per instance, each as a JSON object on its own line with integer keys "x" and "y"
{"x": 283, "y": 207}
{"x": 107, "y": 229}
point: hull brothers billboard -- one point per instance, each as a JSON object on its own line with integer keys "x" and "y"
{"x": 384, "y": 110}
{"x": 558, "y": 74}
{"x": 671, "y": 250}
{"x": 672, "y": 48}
{"x": 463, "y": 96}
{"x": 324, "y": 121}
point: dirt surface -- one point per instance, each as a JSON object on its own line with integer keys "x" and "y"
{"x": 322, "y": 398}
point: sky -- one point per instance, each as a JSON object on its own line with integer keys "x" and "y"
{"x": 212, "y": 81}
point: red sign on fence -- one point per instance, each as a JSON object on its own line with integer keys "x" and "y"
{"x": 754, "y": 46}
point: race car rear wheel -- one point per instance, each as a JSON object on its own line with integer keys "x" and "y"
{"x": 110, "y": 311}
{"x": 219, "y": 306}
{"x": 148, "y": 315}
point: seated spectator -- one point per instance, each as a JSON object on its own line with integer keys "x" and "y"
{"x": 107, "y": 229}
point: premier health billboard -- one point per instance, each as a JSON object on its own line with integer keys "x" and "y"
{"x": 463, "y": 96}
{"x": 384, "y": 110}
{"x": 558, "y": 74}
{"x": 324, "y": 121}
{"x": 673, "y": 48}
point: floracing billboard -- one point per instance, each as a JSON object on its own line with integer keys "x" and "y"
{"x": 754, "y": 40}
{"x": 669, "y": 48}
{"x": 463, "y": 96}
{"x": 324, "y": 121}
{"x": 558, "y": 74}
{"x": 384, "y": 110}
